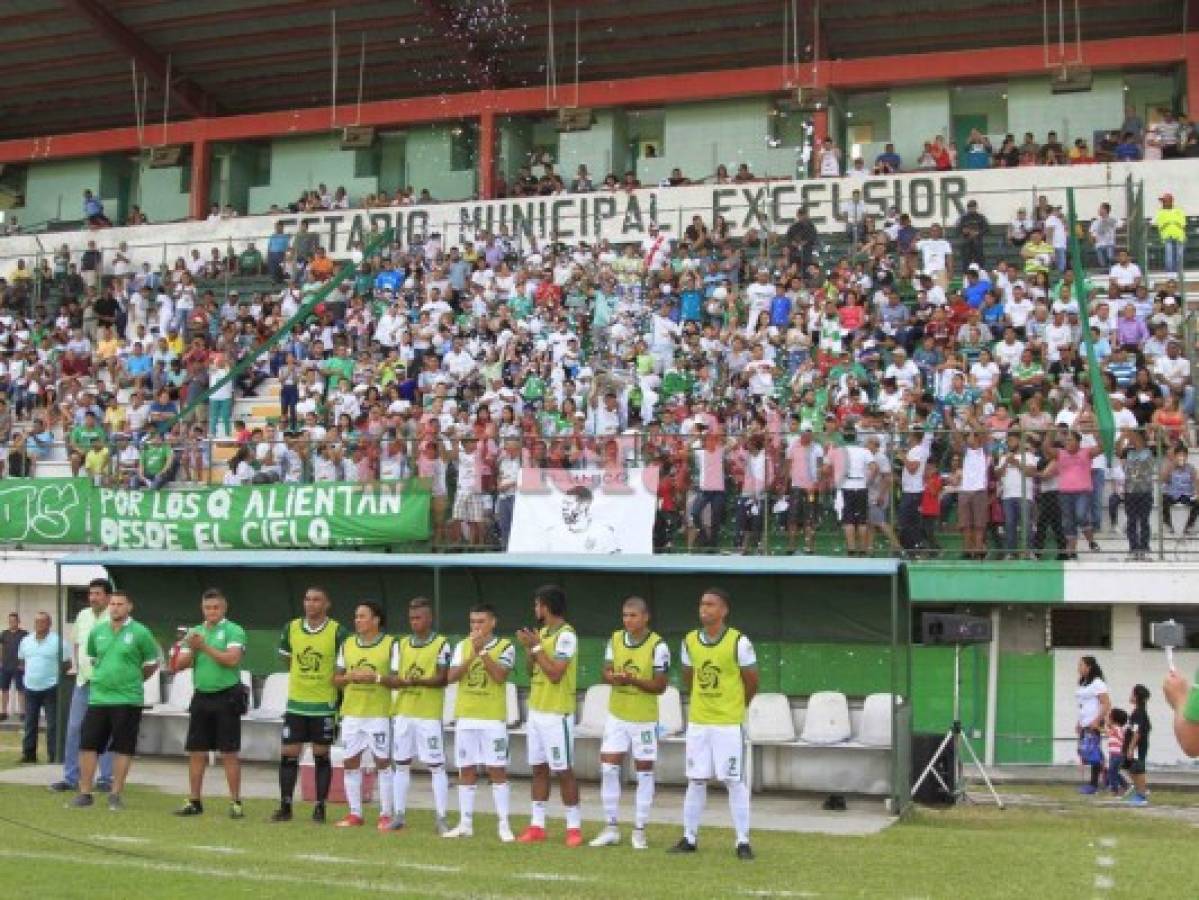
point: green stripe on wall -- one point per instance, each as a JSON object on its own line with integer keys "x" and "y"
{"x": 987, "y": 582}
{"x": 1024, "y": 708}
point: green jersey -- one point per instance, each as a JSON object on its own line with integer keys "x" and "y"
{"x": 82, "y": 436}
{"x": 544, "y": 695}
{"x": 717, "y": 691}
{"x": 210, "y": 676}
{"x": 154, "y": 458}
{"x": 118, "y": 663}
{"x": 338, "y": 369}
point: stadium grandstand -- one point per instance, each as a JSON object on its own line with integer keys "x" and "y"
{"x": 906, "y": 291}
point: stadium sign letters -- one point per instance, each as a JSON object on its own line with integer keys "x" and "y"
{"x": 288, "y": 516}
{"x": 624, "y": 216}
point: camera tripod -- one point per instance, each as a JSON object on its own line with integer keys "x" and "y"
{"x": 957, "y": 739}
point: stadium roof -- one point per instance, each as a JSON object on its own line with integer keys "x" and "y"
{"x": 68, "y": 63}
{"x": 280, "y": 559}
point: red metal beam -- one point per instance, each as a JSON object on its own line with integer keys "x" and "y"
{"x": 850, "y": 74}
{"x": 191, "y": 99}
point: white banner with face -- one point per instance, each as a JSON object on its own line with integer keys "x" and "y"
{"x": 585, "y": 511}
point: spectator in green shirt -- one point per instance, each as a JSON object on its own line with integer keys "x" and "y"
{"x": 250, "y": 261}
{"x": 80, "y": 440}
{"x": 213, "y": 650}
{"x": 159, "y": 463}
{"x": 123, "y": 654}
{"x": 338, "y": 368}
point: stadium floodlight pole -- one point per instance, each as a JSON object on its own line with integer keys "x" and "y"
{"x": 301, "y": 314}
{"x": 1100, "y": 401}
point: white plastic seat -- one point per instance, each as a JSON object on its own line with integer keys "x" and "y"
{"x": 179, "y": 694}
{"x": 670, "y": 712}
{"x": 875, "y": 729}
{"x": 827, "y": 719}
{"x": 273, "y": 703}
{"x": 152, "y": 690}
{"x": 769, "y": 720}
{"x": 595, "y": 711}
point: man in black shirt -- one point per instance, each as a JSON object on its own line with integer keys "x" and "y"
{"x": 973, "y": 226}
{"x": 10, "y": 672}
{"x": 801, "y": 239}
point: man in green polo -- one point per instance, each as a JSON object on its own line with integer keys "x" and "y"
{"x": 80, "y": 440}
{"x": 158, "y": 463}
{"x": 123, "y": 654}
{"x": 214, "y": 650}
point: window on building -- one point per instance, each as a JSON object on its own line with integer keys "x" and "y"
{"x": 1080, "y": 626}
{"x": 1187, "y": 616}
{"x": 464, "y": 147}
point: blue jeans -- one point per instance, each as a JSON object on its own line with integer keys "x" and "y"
{"x": 1172, "y": 249}
{"x": 70, "y": 756}
{"x": 1017, "y": 523}
{"x": 1061, "y": 259}
{"x": 1076, "y": 509}
{"x": 715, "y": 501}
{"x": 1106, "y": 256}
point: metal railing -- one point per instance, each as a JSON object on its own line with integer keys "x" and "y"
{"x": 1130, "y": 510}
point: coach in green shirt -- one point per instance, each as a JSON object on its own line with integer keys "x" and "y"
{"x": 123, "y": 654}
{"x": 214, "y": 650}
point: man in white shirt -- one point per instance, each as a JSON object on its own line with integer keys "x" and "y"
{"x": 1009, "y": 350}
{"x": 1103, "y": 235}
{"x": 758, "y": 297}
{"x": 1173, "y": 373}
{"x": 458, "y": 362}
{"x": 858, "y": 466}
{"x": 905, "y": 372}
{"x": 655, "y": 248}
{"x": 1058, "y": 236}
{"x": 1125, "y": 274}
{"x": 1017, "y": 472}
{"x": 911, "y": 488}
{"x": 972, "y": 495}
{"x": 936, "y": 256}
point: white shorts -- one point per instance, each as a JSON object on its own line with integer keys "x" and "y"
{"x": 551, "y": 740}
{"x": 359, "y": 734}
{"x": 639, "y": 738}
{"x": 418, "y": 739}
{"x": 481, "y": 744}
{"x": 715, "y": 751}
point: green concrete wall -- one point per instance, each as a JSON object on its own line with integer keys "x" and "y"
{"x": 1033, "y": 107}
{"x": 1024, "y": 708}
{"x": 427, "y": 157}
{"x": 918, "y": 114}
{"x": 302, "y": 163}
{"x": 54, "y": 190}
{"x": 163, "y": 193}
{"x": 391, "y": 161}
{"x": 514, "y": 143}
{"x": 603, "y": 149}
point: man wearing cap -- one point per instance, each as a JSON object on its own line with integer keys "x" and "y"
{"x": 973, "y": 227}
{"x": 1171, "y": 225}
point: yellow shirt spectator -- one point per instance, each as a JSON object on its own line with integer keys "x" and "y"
{"x": 95, "y": 462}
{"x": 115, "y": 418}
{"x": 1171, "y": 224}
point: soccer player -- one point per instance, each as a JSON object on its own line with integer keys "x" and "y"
{"x": 365, "y": 659}
{"x": 123, "y": 655}
{"x": 720, "y": 670}
{"x": 416, "y": 724}
{"x": 309, "y": 647}
{"x": 553, "y": 662}
{"x": 636, "y": 663}
{"x": 480, "y": 666}
{"x": 214, "y": 650}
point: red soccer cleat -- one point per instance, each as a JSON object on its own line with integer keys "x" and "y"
{"x": 384, "y": 823}
{"x": 350, "y": 821}
{"x": 574, "y": 837}
{"x": 534, "y": 834}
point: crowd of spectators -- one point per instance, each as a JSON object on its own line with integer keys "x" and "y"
{"x": 885, "y": 386}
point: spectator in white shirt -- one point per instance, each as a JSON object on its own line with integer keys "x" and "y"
{"x": 936, "y": 256}
{"x": 1125, "y": 274}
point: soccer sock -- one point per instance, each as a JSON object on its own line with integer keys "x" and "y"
{"x": 537, "y": 819}
{"x": 441, "y": 791}
{"x": 739, "y": 809}
{"x": 610, "y": 791}
{"x": 644, "y": 799}
{"x": 385, "y": 797}
{"x": 466, "y": 803}
{"x": 399, "y": 789}
{"x": 353, "y": 780}
{"x": 324, "y": 776}
{"x": 500, "y": 795}
{"x": 693, "y": 808}
{"x": 289, "y": 770}
{"x": 574, "y": 818}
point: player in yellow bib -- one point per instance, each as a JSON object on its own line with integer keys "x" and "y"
{"x": 636, "y": 664}
{"x": 308, "y": 645}
{"x": 365, "y": 664}
{"x": 416, "y": 712}
{"x": 553, "y": 662}
{"x": 720, "y": 670}
{"x": 480, "y": 667}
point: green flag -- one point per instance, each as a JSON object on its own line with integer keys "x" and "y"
{"x": 1100, "y": 401}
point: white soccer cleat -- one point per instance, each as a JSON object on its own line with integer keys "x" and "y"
{"x": 461, "y": 831}
{"x": 639, "y": 841}
{"x": 609, "y": 837}
{"x": 504, "y": 830}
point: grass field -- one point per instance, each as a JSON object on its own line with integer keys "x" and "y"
{"x": 1058, "y": 849}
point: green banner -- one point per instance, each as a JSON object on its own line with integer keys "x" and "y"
{"x": 45, "y": 510}
{"x": 276, "y": 516}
